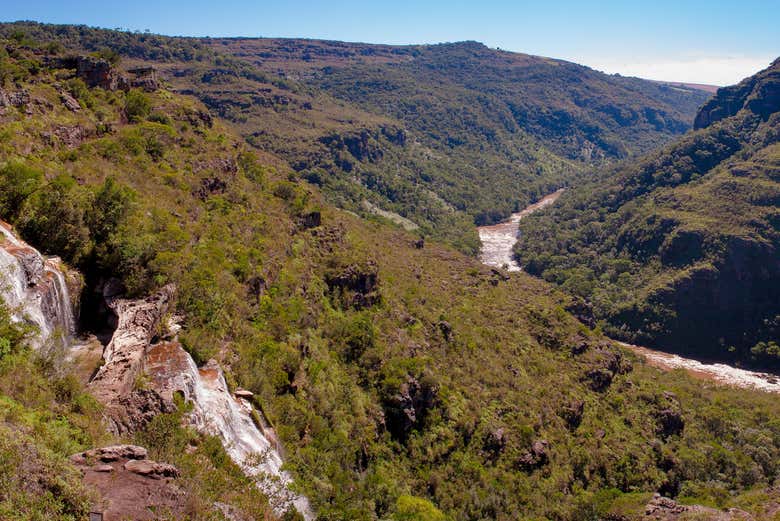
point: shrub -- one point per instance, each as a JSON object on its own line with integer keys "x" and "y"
{"x": 410, "y": 508}
{"x": 137, "y": 105}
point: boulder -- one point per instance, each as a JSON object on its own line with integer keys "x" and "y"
{"x": 97, "y": 72}
{"x": 70, "y": 102}
{"x": 535, "y": 457}
{"x": 128, "y": 485}
{"x": 151, "y": 469}
{"x": 243, "y": 393}
{"x": 110, "y": 453}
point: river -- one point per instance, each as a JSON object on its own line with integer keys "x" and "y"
{"x": 498, "y": 239}
{"x": 497, "y": 243}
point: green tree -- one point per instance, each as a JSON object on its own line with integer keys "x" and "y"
{"x": 17, "y": 182}
{"x": 411, "y": 508}
{"x": 137, "y": 105}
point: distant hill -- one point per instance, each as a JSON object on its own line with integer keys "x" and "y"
{"x": 712, "y": 89}
{"x": 492, "y": 127}
{"x": 681, "y": 249}
{"x": 445, "y": 135}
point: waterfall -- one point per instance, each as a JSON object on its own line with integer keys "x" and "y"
{"x": 231, "y": 418}
{"x": 34, "y": 289}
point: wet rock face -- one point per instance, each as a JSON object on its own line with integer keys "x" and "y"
{"x": 130, "y": 486}
{"x": 165, "y": 370}
{"x": 38, "y": 288}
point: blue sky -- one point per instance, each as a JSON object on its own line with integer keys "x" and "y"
{"x": 713, "y": 41}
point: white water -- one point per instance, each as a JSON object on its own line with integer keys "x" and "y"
{"x": 219, "y": 413}
{"x": 719, "y": 373}
{"x": 498, "y": 241}
{"x": 34, "y": 289}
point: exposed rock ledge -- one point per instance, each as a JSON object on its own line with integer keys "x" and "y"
{"x": 140, "y": 378}
{"x": 664, "y": 509}
{"x": 130, "y": 485}
{"x": 114, "y": 385}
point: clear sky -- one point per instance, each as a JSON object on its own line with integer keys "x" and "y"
{"x": 712, "y": 41}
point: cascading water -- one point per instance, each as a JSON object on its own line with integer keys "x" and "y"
{"x": 34, "y": 289}
{"x": 170, "y": 370}
{"x": 219, "y": 413}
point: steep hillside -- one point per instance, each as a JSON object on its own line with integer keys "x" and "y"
{"x": 681, "y": 249}
{"x": 405, "y": 380}
{"x": 444, "y": 136}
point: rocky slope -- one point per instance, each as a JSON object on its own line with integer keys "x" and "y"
{"x": 680, "y": 250}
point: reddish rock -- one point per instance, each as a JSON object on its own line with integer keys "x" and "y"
{"x": 130, "y": 487}
{"x": 151, "y": 469}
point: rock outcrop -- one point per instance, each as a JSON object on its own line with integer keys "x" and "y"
{"x": 759, "y": 94}
{"x": 662, "y": 508}
{"x": 535, "y": 457}
{"x": 355, "y": 285}
{"x": 407, "y": 409}
{"x": 141, "y": 378}
{"x": 115, "y": 382}
{"x": 97, "y": 72}
{"x": 129, "y": 485}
